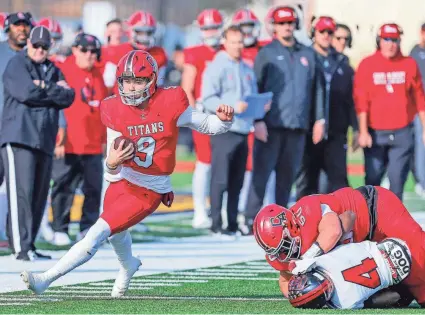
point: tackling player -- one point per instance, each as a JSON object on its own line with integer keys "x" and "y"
{"x": 348, "y": 275}
{"x": 149, "y": 117}
{"x": 366, "y": 213}
{"x": 141, "y": 29}
{"x": 210, "y": 22}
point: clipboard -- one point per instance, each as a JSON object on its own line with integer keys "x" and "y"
{"x": 256, "y": 103}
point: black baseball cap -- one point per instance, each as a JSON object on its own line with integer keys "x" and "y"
{"x": 14, "y": 18}
{"x": 40, "y": 35}
{"x": 85, "y": 40}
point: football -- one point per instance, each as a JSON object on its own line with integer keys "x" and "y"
{"x": 127, "y": 142}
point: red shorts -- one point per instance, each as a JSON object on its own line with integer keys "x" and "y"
{"x": 126, "y": 204}
{"x": 251, "y": 139}
{"x": 394, "y": 220}
{"x": 202, "y": 147}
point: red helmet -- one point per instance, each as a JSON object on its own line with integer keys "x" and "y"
{"x": 142, "y": 22}
{"x": 139, "y": 65}
{"x": 249, "y": 24}
{"x": 210, "y": 20}
{"x": 276, "y": 232}
{"x": 53, "y": 26}
{"x": 3, "y": 16}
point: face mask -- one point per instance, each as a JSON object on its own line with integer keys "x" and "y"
{"x": 213, "y": 41}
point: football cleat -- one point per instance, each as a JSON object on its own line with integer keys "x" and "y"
{"x": 34, "y": 282}
{"x": 123, "y": 279}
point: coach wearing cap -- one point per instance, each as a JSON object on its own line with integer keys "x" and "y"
{"x": 388, "y": 94}
{"x": 34, "y": 92}
{"x": 86, "y": 136}
{"x": 329, "y": 155}
{"x": 288, "y": 69}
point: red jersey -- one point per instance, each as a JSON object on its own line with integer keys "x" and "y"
{"x": 250, "y": 53}
{"x": 154, "y": 128}
{"x": 389, "y": 90}
{"x": 57, "y": 59}
{"x": 85, "y": 132}
{"x": 307, "y": 213}
{"x": 113, "y": 54}
{"x": 199, "y": 57}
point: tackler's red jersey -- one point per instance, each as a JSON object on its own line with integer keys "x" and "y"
{"x": 199, "y": 57}
{"x": 307, "y": 215}
{"x": 154, "y": 128}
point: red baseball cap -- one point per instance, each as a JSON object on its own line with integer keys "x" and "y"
{"x": 284, "y": 14}
{"x": 390, "y": 30}
{"x": 325, "y": 23}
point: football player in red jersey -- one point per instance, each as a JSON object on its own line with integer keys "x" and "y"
{"x": 56, "y": 33}
{"x": 141, "y": 29}
{"x": 210, "y": 22}
{"x": 366, "y": 213}
{"x": 140, "y": 178}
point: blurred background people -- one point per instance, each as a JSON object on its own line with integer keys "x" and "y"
{"x": 342, "y": 38}
{"x": 34, "y": 92}
{"x": 114, "y": 33}
{"x": 298, "y": 99}
{"x": 84, "y": 143}
{"x": 196, "y": 58}
{"x": 388, "y": 94}
{"x": 330, "y": 154}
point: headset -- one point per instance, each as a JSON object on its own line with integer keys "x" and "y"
{"x": 297, "y": 21}
{"x": 350, "y": 36}
{"x": 314, "y": 22}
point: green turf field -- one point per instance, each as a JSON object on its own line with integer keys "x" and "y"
{"x": 248, "y": 288}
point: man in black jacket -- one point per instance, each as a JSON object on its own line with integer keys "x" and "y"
{"x": 329, "y": 155}
{"x": 34, "y": 92}
{"x": 288, "y": 69}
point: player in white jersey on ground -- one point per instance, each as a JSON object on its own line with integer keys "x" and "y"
{"x": 347, "y": 276}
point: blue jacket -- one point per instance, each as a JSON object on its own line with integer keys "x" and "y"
{"x": 30, "y": 114}
{"x": 297, "y": 86}
{"x": 226, "y": 81}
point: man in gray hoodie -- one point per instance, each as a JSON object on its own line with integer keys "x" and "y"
{"x": 228, "y": 80}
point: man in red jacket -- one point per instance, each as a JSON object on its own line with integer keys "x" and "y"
{"x": 85, "y": 138}
{"x": 388, "y": 94}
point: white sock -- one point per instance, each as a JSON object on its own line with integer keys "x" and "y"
{"x": 81, "y": 252}
{"x": 201, "y": 178}
{"x": 270, "y": 196}
{"x": 121, "y": 244}
{"x": 243, "y": 197}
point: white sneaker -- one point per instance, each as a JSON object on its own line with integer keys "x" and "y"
{"x": 124, "y": 277}
{"x": 61, "y": 239}
{"x": 201, "y": 222}
{"x": 34, "y": 282}
{"x": 419, "y": 190}
{"x": 47, "y": 233}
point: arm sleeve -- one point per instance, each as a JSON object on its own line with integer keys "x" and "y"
{"x": 360, "y": 90}
{"x": 111, "y": 176}
{"x": 211, "y": 87}
{"x": 260, "y": 70}
{"x": 204, "y": 123}
{"x": 350, "y": 99}
{"x": 418, "y": 89}
{"x": 319, "y": 94}
{"x": 62, "y": 97}
{"x": 19, "y": 84}
{"x": 62, "y": 120}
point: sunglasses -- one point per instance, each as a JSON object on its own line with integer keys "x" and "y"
{"x": 42, "y": 46}
{"x": 84, "y": 50}
{"x": 339, "y": 38}
{"x": 394, "y": 40}
{"x": 327, "y": 31}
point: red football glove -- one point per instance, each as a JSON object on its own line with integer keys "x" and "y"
{"x": 168, "y": 198}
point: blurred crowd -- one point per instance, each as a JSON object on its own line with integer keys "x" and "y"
{"x": 53, "y": 142}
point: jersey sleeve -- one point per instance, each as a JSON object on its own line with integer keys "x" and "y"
{"x": 106, "y": 114}
{"x": 189, "y": 56}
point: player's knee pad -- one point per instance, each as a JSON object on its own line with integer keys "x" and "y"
{"x": 398, "y": 258}
{"x": 96, "y": 236}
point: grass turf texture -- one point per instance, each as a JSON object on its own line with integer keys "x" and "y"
{"x": 258, "y": 293}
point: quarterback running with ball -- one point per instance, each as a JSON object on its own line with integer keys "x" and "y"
{"x": 147, "y": 118}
